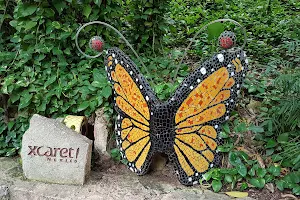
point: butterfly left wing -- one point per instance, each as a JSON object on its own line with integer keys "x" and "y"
{"x": 205, "y": 99}
{"x": 133, "y": 100}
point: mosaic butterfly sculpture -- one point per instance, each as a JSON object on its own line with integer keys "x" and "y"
{"x": 186, "y": 127}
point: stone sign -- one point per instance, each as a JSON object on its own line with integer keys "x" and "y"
{"x": 51, "y": 152}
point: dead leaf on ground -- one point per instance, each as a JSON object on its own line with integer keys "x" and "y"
{"x": 237, "y": 194}
{"x": 288, "y": 196}
{"x": 260, "y": 161}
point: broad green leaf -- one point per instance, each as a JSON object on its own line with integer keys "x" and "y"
{"x": 87, "y": 10}
{"x": 228, "y": 178}
{"x": 242, "y": 169}
{"x": 28, "y": 10}
{"x": 29, "y": 25}
{"x": 59, "y": 5}
{"x": 257, "y": 182}
{"x": 274, "y": 170}
{"x": 261, "y": 172}
{"x": 216, "y": 185}
{"x": 56, "y": 25}
{"x": 106, "y": 92}
{"x": 271, "y": 143}
{"x": 214, "y": 30}
{"x": 83, "y": 106}
{"x": 283, "y": 138}
{"x": 256, "y": 129}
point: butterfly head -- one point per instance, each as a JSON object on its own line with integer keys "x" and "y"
{"x": 227, "y": 40}
{"x": 96, "y": 43}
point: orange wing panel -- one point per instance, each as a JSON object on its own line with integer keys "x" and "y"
{"x": 209, "y": 155}
{"x": 143, "y": 156}
{"x": 209, "y": 131}
{"x": 202, "y": 95}
{"x": 184, "y": 165}
{"x": 222, "y": 96}
{"x": 212, "y": 113}
{"x": 210, "y": 142}
{"x": 193, "y": 140}
{"x": 196, "y": 159}
{"x": 187, "y": 130}
{"x": 129, "y": 110}
{"x": 135, "y": 134}
{"x": 229, "y": 83}
{"x": 132, "y": 92}
{"x": 134, "y": 150}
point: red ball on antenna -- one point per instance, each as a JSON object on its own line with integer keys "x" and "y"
{"x": 227, "y": 39}
{"x": 96, "y": 43}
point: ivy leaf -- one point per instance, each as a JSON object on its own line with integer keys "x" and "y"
{"x": 216, "y": 185}
{"x": 261, "y": 172}
{"x": 274, "y": 170}
{"x": 83, "y": 106}
{"x": 106, "y": 92}
{"x": 25, "y": 100}
{"x": 242, "y": 169}
{"x": 257, "y": 182}
{"x": 87, "y": 11}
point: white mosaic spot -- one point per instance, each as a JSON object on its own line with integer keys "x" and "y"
{"x": 238, "y": 55}
{"x": 172, "y": 99}
{"x": 131, "y": 72}
{"x": 151, "y": 113}
{"x": 185, "y": 84}
{"x": 243, "y": 75}
{"x": 190, "y": 179}
{"x": 131, "y": 169}
{"x": 191, "y": 87}
{"x": 198, "y": 80}
{"x": 141, "y": 87}
{"x": 137, "y": 80}
{"x": 195, "y": 182}
{"x": 119, "y": 132}
{"x": 231, "y": 100}
{"x": 220, "y": 57}
{"x": 226, "y": 118}
{"x": 113, "y": 55}
{"x": 238, "y": 85}
{"x": 216, "y": 126}
{"x": 105, "y": 68}
{"x": 211, "y": 165}
{"x": 122, "y": 62}
{"x": 227, "y": 104}
{"x": 147, "y": 98}
{"x": 246, "y": 61}
{"x": 238, "y": 92}
{"x": 203, "y": 70}
{"x": 119, "y": 116}
{"x": 116, "y": 61}
{"x": 245, "y": 54}
{"x": 229, "y": 65}
{"x": 127, "y": 66}
{"x": 212, "y": 69}
{"x": 232, "y": 73}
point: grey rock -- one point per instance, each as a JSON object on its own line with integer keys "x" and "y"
{"x": 4, "y": 192}
{"x": 100, "y": 132}
{"x": 51, "y": 152}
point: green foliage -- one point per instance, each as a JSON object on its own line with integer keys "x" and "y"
{"x": 245, "y": 171}
{"x": 147, "y": 23}
{"x": 41, "y": 69}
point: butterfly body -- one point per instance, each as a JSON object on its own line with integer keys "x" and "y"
{"x": 186, "y": 127}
